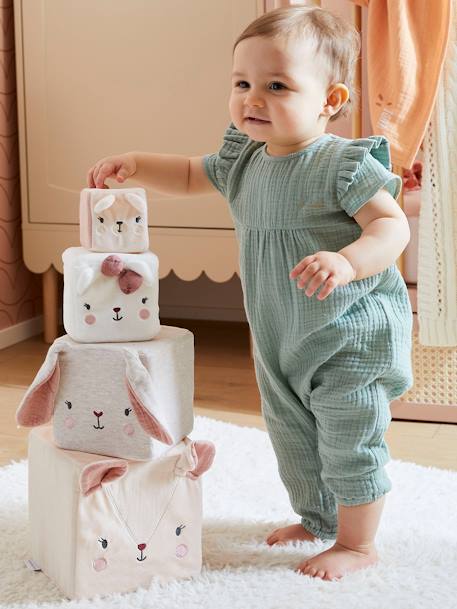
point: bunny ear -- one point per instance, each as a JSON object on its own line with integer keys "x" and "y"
{"x": 135, "y": 200}
{"x": 104, "y": 203}
{"x": 139, "y": 389}
{"x": 37, "y": 405}
{"x": 101, "y": 472}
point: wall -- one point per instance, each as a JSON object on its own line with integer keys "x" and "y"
{"x": 20, "y": 290}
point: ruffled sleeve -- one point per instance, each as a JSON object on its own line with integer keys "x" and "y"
{"x": 364, "y": 168}
{"x": 219, "y": 164}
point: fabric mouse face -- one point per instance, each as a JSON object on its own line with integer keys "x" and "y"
{"x": 110, "y": 298}
{"x": 119, "y": 523}
{"x": 114, "y": 220}
{"x": 151, "y": 515}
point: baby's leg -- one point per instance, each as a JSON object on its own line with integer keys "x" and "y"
{"x": 292, "y": 430}
{"x": 351, "y": 426}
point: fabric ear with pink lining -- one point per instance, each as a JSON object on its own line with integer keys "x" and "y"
{"x": 37, "y": 406}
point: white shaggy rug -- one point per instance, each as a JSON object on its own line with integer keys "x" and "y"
{"x": 243, "y": 501}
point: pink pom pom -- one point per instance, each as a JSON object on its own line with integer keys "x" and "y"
{"x": 112, "y": 266}
{"x": 129, "y": 281}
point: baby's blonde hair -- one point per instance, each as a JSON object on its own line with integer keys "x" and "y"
{"x": 336, "y": 41}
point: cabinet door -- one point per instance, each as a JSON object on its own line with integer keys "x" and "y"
{"x": 100, "y": 77}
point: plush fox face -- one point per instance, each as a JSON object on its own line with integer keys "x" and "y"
{"x": 114, "y": 220}
{"x": 110, "y": 298}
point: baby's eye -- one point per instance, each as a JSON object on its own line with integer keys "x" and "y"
{"x": 242, "y": 84}
{"x": 138, "y": 219}
{"x": 103, "y": 542}
{"x": 127, "y": 411}
{"x": 101, "y": 220}
{"x": 277, "y": 86}
{"x": 87, "y": 306}
{"x": 143, "y": 300}
{"x": 69, "y": 404}
{"x": 179, "y": 529}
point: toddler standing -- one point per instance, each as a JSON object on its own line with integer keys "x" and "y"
{"x": 319, "y": 232}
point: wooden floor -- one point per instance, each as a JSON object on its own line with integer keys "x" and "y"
{"x": 225, "y": 389}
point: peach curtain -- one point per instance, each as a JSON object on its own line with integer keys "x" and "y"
{"x": 406, "y": 46}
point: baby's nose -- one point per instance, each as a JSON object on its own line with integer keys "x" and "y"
{"x": 116, "y": 309}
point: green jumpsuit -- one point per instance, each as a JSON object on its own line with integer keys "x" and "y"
{"x": 328, "y": 369}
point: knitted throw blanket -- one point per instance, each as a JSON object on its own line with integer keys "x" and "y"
{"x": 437, "y": 256}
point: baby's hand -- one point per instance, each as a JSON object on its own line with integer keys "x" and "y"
{"x": 118, "y": 167}
{"x": 329, "y": 269}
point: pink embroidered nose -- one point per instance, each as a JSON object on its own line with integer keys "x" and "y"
{"x": 98, "y": 414}
{"x": 141, "y": 546}
{"x": 116, "y": 309}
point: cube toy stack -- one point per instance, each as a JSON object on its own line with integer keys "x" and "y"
{"x": 114, "y": 481}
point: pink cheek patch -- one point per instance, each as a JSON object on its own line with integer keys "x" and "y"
{"x": 100, "y": 564}
{"x": 89, "y": 319}
{"x": 128, "y": 429}
{"x": 181, "y": 551}
{"x": 69, "y": 422}
{"x": 144, "y": 313}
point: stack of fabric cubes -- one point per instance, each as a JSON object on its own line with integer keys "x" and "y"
{"x": 114, "y": 482}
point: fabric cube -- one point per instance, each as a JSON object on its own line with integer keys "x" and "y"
{"x": 100, "y": 526}
{"x": 114, "y": 220}
{"x": 129, "y": 400}
{"x": 110, "y": 297}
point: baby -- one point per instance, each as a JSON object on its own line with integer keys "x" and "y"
{"x": 319, "y": 232}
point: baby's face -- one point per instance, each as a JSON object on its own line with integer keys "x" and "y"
{"x": 279, "y": 89}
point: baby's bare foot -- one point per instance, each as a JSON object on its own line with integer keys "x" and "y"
{"x": 337, "y": 561}
{"x": 294, "y": 532}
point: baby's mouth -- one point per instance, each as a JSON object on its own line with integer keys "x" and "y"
{"x": 257, "y": 121}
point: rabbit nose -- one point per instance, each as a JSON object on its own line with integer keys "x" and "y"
{"x": 98, "y": 414}
{"x": 119, "y": 224}
{"x": 141, "y": 546}
{"x": 116, "y": 309}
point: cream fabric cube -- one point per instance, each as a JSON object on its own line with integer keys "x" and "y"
{"x": 110, "y": 297}
{"x": 129, "y": 400}
{"x": 102, "y": 525}
{"x": 114, "y": 220}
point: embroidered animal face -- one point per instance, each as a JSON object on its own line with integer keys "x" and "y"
{"x": 105, "y": 401}
{"x": 110, "y": 298}
{"x": 152, "y": 512}
{"x": 114, "y": 220}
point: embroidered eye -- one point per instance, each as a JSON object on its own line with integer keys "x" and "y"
{"x": 127, "y": 411}
{"x": 69, "y": 404}
{"x": 138, "y": 219}
{"x": 101, "y": 220}
{"x": 179, "y": 529}
{"x": 143, "y": 300}
{"x": 87, "y": 306}
{"x": 103, "y": 542}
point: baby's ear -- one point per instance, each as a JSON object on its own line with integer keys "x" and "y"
{"x": 140, "y": 392}
{"x": 101, "y": 472}
{"x": 37, "y": 406}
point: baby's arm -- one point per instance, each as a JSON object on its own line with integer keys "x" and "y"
{"x": 385, "y": 234}
{"x": 165, "y": 173}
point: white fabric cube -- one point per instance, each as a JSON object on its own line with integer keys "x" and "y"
{"x": 100, "y": 526}
{"x": 102, "y": 302}
{"x": 114, "y": 220}
{"x": 129, "y": 400}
